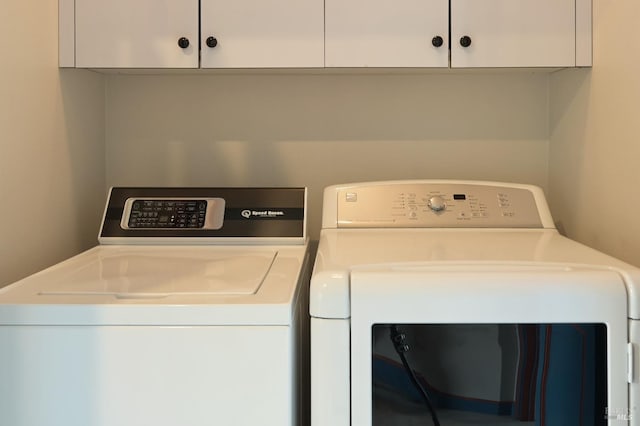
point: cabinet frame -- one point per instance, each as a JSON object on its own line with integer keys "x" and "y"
{"x": 66, "y": 33}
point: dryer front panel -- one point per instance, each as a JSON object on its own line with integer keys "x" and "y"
{"x": 490, "y": 343}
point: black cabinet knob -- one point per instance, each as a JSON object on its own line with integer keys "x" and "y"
{"x": 465, "y": 41}
{"x": 212, "y": 41}
{"x": 183, "y": 42}
{"x": 437, "y": 41}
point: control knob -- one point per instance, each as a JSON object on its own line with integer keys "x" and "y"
{"x": 436, "y": 203}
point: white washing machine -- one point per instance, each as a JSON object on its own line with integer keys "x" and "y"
{"x": 458, "y": 302}
{"x": 193, "y": 310}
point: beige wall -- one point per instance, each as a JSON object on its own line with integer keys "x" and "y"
{"x": 316, "y": 130}
{"x": 309, "y": 129}
{"x": 51, "y": 145}
{"x": 595, "y": 138}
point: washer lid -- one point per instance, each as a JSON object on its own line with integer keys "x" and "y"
{"x": 147, "y": 274}
{"x": 162, "y": 286}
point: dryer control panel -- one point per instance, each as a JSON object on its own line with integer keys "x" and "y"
{"x": 438, "y": 204}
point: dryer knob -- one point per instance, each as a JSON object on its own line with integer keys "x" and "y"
{"x": 436, "y": 203}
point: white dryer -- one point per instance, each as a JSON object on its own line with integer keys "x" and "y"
{"x": 193, "y": 310}
{"x": 505, "y": 320}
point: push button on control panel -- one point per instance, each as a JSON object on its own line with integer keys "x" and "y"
{"x": 167, "y": 214}
{"x": 173, "y": 214}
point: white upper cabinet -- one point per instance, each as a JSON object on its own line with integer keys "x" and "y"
{"x": 383, "y": 33}
{"x": 325, "y": 33}
{"x": 136, "y": 33}
{"x": 177, "y": 33}
{"x": 484, "y": 33}
{"x": 262, "y": 34}
{"x": 513, "y": 33}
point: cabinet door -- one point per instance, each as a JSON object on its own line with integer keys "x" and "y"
{"x": 513, "y": 33}
{"x": 136, "y": 33}
{"x": 383, "y": 33}
{"x": 262, "y": 34}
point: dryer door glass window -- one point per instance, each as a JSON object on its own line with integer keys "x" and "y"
{"x": 489, "y": 374}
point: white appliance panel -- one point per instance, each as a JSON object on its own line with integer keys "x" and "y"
{"x": 332, "y": 391}
{"x": 130, "y": 376}
{"x": 145, "y": 274}
{"x": 483, "y": 294}
{"x": 343, "y": 250}
{"x": 189, "y": 328}
{"x": 371, "y": 272}
{"x": 101, "y": 285}
{"x": 633, "y": 363}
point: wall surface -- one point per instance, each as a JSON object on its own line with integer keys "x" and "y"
{"x": 315, "y": 130}
{"x": 595, "y": 138}
{"x": 52, "y": 173}
{"x": 308, "y": 129}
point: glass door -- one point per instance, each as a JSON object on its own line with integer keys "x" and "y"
{"x": 489, "y": 374}
{"x": 536, "y": 344}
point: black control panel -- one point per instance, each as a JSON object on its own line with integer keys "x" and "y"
{"x": 136, "y": 215}
{"x": 163, "y": 214}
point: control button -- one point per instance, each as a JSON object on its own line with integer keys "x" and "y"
{"x": 436, "y": 203}
{"x": 503, "y": 200}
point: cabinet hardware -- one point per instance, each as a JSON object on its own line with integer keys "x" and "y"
{"x": 465, "y": 41}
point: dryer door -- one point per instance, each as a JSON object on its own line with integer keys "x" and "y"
{"x": 507, "y": 340}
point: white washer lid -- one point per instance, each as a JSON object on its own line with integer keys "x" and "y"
{"x": 162, "y": 286}
{"x": 132, "y": 273}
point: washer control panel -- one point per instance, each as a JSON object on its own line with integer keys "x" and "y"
{"x": 432, "y": 204}
{"x": 173, "y": 213}
{"x": 205, "y": 215}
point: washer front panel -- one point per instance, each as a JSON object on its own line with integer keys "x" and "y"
{"x": 148, "y": 375}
